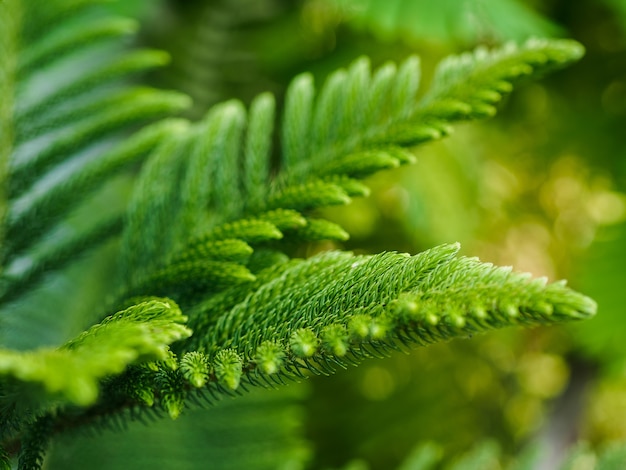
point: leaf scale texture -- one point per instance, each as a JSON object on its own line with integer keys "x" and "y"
{"x": 301, "y": 321}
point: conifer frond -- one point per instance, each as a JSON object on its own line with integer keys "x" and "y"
{"x": 67, "y": 71}
{"x": 30, "y": 215}
{"x": 295, "y": 320}
{"x": 334, "y": 309}
{"x": 34, "y": 445}
{"x": 194, "y": 187}
{"x": 428, "y": 297}
{"x": 258, "y": 151}
{"x": 73, "y": 371}
{"x": 469, "y": 85}
{"x": 209, "y": 216}
{"x": 359, "y": 120}
{"x": 10, "y": 19}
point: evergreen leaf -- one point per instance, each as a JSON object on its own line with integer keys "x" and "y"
{"x": 37, "y": 155}
{"x": 377, "y": 303}
{"x": 146, "y": 241}
{"x": 171, "y": 392}
{"x": 308, "y": 196}
{"x": 206, "y": 199}
{"x": 464, "y": 87}
{"x": 43, "y": 17}
{"x": 64, "y": 39}
{"x": 190, "y": 276}
{"x": 194, "y": 367}
{"x": 30, "y": 215}
{"x": 10, "y": 19}
{"x": 258, "y": 151}
{"x": 212, "y": 179}
{"x": 66, "y": 105}
{"x": 469, "y": 85}
{"x": 361, "y": 123}
{"x": 284, "y": 219}
{"x": 250, "y": 230}
{"x": 297, "y": 120}
{"x": 317, "y": 230}
{"x": 352, "y": 187}
{"x": 233, "y": 250}
{"x": 73, "y": 371}
{"x": 35, "y": 442}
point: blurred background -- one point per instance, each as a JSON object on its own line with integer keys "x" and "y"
{"x": 541, "y": 187}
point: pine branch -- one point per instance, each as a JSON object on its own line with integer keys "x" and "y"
{"x": 30, "y": 215}
{"x": 5, "y": 460}
{"x": 257, "y": 152}
{"x": 336, "y": 309}
{"x": 28, "y": 166}
{"x": 72, "y": 372}
{"x": 362, "y": 119}
{"x": 65, "y": 39}
{"x": 71, "y": 110}
{"x": 437, "y": 295}
{"x": 208, "y": 219}
{"x": 357, "y": 124}
{"x": 34, "y": 445}
{"x": 44, "y": 379}
{"x": 41, "y": 17}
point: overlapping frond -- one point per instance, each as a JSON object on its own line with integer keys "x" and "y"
{"x": 67, "y": 102}
{"x": 73, "y": 371}
{"x": 214, "y": 177}
{"x": 212, "y": 214}
{"x": 296, "y": 322}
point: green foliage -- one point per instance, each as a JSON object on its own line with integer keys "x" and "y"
{"x": 385, "y": 109}
{"x": 449, "y": 20}
{"x": 72, "y": 372}
{"x": 72, "y": 107}
{"x": 377, "y": 303}
{"x": 217, "y": 212}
